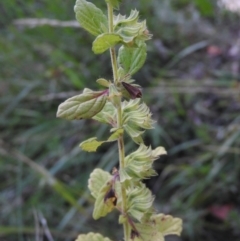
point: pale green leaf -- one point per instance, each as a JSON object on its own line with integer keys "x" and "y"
{"x": 97, "y": 180}
{"x": 157, "y": 227}
{"x": 102, "y": 207}
{"x": 136, "y": 118}
{"x": 90, "y": 17}
{"x": 108, "y": 115}
{"x": 83, "y": 106}
{"x": 138, "y": 165}
{"x": 148, "y": 232}
{"x": 116, "y": 135}
{"x": 130, "y": 29}
{"x": 121, "y": 19}
{"x": 139, "y": 202}
{"x": 138, "y": 139}
{"x": 91, "y": 237}
{"x": 159, "y": 151}
{"x": 100, "y": 183}
{"x": 105, "y": 41}
{"x": 167, "y": 225}
{"x": 103, "y": 82}
{"x": 129, "y": 33}
{"x": 92, "y": 144}
{"x": 132, "y": 59}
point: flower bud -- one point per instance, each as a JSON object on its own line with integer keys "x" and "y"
{"x": 132, "y": 90}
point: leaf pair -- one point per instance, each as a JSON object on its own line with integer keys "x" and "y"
{"x": 106, "y": 189}
{"x": 136, "y": 118}
{"x": 147, "y": 227}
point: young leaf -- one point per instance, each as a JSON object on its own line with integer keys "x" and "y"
{"x": 105, "y": 41}
{"x": 121, "y": 19}
{"x": 97, "y": 180}
{"x": 108, "y": 115}
{"x": 138, "y": 165}
{"x": 132, "y": 59}
{"x": 90, "y": 17}
{"x": 92, "y": 237}
{"x": 92, "y": 144}
{"x": 130, "y": 29}
{"x": 136, "y": 118}
{"x": 139, "y": 202}
{"x": 103, "y": 82}
{"x": 83, "y": 106}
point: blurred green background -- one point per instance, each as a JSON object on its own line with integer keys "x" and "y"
{"x": 191, "y": 81}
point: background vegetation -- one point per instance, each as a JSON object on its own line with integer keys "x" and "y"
{"x": 191, "y": 81}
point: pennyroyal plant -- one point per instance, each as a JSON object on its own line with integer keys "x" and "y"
{"x": 120, "y": 106}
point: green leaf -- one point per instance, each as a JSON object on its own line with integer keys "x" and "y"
{"x": 167, "y": 225}
{"x": 116, "y": 135}
{"x": 130, "y": 29}
{"x": 136, "y": 118}
{"x": 108, "y": 115}
{"x": 114, "y": 3}
{"x": 97, "y": 180}
{"x": 148, "y": 232}
{"x": 91, "y": 237}
{"x": 139, "y": 202}
{"x": 132, "y": 59}
{"x": 103, "y": 82}
{"x": 157, "y": 227}
{"x": 90, "y": 17}
{"x": 102, "y": 207}
{"x": 105, "y": 41}
{"x": 100, "y": 183}
{"x": 92, "y": 144}
{"x": 83, "y": 106}
{"x": 138, "y": 165}
{"x": 121, "y": 19}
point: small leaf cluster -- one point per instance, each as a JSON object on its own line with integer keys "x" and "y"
{"x": 120, "y": 106}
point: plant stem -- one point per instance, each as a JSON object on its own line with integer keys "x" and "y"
{"x": 112, "y": 50}
{"x": 121, "y": 148}
{"x": 121, "y": 151}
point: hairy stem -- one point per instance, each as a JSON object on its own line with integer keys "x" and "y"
{"x": 121, "y": 148}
